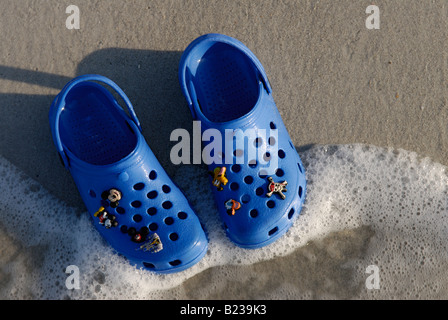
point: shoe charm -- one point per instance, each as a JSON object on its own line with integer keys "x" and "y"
{"x": 106, "y": 219}
{"x": 138, "y": 236}
{"x": 113, "y": 195}
{"x": 150, "y": 243}
{"x": 219, "y": 177}
{"x": 154, "y": 244}
{"x": 276, "y": 187}
{"x": 110, "y": 198}
{"x": 231, "y": 206}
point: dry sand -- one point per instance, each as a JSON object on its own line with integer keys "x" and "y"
{"x": 334, "y": 82}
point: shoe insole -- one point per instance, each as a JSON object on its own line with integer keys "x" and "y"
{"x": 93, "y": 128}
{"x": 226, "y": 83}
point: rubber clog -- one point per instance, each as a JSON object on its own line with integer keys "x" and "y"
{"x": 227, "y": 90}
{"x": 134, "y": 204}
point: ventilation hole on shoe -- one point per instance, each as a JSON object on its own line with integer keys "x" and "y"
{"x": 273, "y": 126}
{"x": 136, "y": 204}
{"x": 300, "y": 192}
{"x": 139, "y": 186}
{"x": 248, "y": 179}
{"x": 272, "y": 231}
{"x": 238, "y": 152}
{"x": 105, "y": 194}
{"x": 92, "y": 193}
{"x": 292, "y": 146}
{"x": 182, "y": 215}
{"x": 234, "y": 186}
{"x": 152, "y": 194}
{"x": 153, "y": 175}
{"x": 263, "y": 173}
{"x": 151, "y": 211}
{"x": 279, "y": 172}
{"x": 281, "y": 154}
{"x": 259, "y": 191}
{"x": 168, "y": 221}
{"x": 144, "y": 230}
{"x": 166, "y": 189}
{"x": 149, "y": 265}
{"x": 258, "y": 142}
{"x": 124, "y": 229}
{"x": 137, "y": 218}
{"x": 300, "y": 168}
{"x": 245, "y": 198}
{"x": 253, "y": 163}
{"x": 271, "y": 141}
{"x": 153, "y": 226}
{"x": 173, "y": 236}
{"x": 167, "y": 205}
{"x": 253, "y": 213}
{"x": 131, "y": 231}
{"x": 291, "y": 213}
{"x": 236, "y": 168}
{"x": 175, "y": 263}
{"x": 120, "y": 210}
{"x": 270, "y": 204}
{"x": 267, "y": 157}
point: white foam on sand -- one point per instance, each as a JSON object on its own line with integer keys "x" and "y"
{"x": 400, "y": 195}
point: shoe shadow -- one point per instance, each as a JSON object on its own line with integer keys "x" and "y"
{"x": 150, "y": 80}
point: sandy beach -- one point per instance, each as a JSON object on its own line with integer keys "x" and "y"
{"x": 335, "y": 82}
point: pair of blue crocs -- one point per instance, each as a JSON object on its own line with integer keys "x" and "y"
{"x": 258, "y": 179}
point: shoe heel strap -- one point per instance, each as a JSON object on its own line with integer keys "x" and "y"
{"x": 59, "y": 103}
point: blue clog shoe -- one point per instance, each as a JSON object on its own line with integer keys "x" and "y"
{"x": 134, "y": 204}
{"x": 256, "y": 175}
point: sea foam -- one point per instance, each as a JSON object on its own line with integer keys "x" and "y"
{"x": 399, "y": 195}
